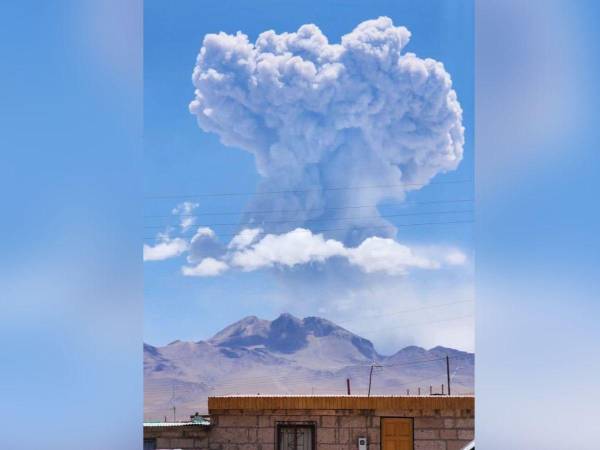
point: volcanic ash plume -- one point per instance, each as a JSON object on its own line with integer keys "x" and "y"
{"x": 320, "y": 116}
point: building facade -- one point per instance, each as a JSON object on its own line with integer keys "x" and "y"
{"x": 323, "y": 423}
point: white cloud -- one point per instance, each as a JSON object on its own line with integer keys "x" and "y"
{"x": 299, "y": 246}
{"x": 244, "y": 238}
{"x": 248, "y": 252}
{"x": 208, "y": 267}
{"x": 456, "y": 258}
{"x": 168, "y": 248}
{"x": 204, "y": 244}
{"x": 203, "y": 232}
{"x": 376, "y": 254}
{"x": 185, "y": 210}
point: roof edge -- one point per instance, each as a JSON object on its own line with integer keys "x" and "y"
{"x": 340, "y": 402}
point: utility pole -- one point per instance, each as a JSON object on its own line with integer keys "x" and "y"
{"x": 174, "y": 415}
{"x": 371, "y": 377}
{"x": 348, "y": 385}
{"x": 448, "y": 372}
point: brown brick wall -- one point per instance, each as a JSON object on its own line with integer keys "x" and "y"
{"x": 438, "y": 429}
{"x": 187, "y": 437}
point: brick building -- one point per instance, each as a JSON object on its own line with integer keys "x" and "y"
{"x": 323, "y": 423}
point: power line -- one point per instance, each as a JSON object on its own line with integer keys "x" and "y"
{"x": 324, "y": 374}
{"x": 298, "y": 191}
{"x": 410, "y": 383}
{"x": 266, "y": 378}
{"x": 259, "y": 381}
{"x": 333, "y": 374}
{"x": 416, "y": 362}
{"x": 406, "y": 311}
{"x": 324, "y": 377}
{"x": 330, "y": 219}
{"x": 273, "y": 211}
{"x": 357, "y": 227}
{"x": 427, "y": 323}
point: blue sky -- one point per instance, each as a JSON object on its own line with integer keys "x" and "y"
{"x": 71, "y": 309}
{"x": 181, "y": 159}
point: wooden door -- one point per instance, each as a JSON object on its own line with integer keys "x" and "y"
{"x": 396, "y": 434}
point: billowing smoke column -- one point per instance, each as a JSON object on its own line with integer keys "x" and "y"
{"x": 320, "y": 116}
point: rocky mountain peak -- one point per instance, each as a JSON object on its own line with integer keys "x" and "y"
{"x": 287, "y": 334}
{"x": 289, "y": 355}
{"x": 249, "y": 331}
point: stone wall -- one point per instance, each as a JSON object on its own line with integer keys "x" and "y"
{"x": 336, "y": 429}
{"x": 340, "y": 429}
{"x": 183, "y": 437}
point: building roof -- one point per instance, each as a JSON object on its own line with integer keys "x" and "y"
{"x": 259, "y": 402}
{"x": 200, "y": 422}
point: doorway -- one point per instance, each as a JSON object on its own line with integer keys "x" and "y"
{"x": 397, "y": 434}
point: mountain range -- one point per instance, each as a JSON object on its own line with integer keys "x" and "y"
{"x": 290, "y": 355}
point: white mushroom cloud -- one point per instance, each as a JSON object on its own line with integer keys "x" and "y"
{"x": 320, "y": 116}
